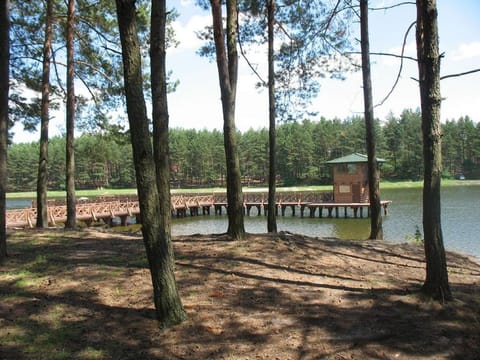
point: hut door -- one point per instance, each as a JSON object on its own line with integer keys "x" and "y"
{"x": 356, "y": 193}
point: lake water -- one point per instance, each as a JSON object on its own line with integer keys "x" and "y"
{"x": 460, "y": 220}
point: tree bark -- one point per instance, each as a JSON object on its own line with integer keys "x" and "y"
{"x": 4, "y": 89}
{"x": 376, "y": 228}
{"x": 172, "y": 308}
{"x": 70, "y": 140}
{"x": 227, "y": 63}
{"x": 160, "y": 257}
{"x": 42, "y": 218}
{"x": 272, "y": 173}
{"x": 436, "y": 283}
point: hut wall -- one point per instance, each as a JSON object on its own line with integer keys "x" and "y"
{"x": 350, "y": 183}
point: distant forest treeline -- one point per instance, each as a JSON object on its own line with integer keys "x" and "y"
{"x": 197, "y": 156}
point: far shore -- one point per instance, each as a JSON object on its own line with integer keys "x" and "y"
{"x": 384, "y": 185}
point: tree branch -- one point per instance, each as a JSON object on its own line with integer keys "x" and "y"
{"x": 393, "y": 6}
{"x": 383, "y": 54}
{"x": 459, "y": 74}
{"x": 97, "y": 70}
{"x": 400, "y": 68}
{"x": 57, "y": 74}
{"x": 332, "y": 15}
{"x": 94, "y": 68}
{"x": 96, "y": 31}
{"x": 94, "y": 98}
{"x": 250, "y": 65}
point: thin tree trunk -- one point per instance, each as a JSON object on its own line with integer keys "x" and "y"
{"x": 227, "y": 63}
{"x": 42, "y": 219}
{"x": 172, "y": 309}
{"x": 167, "y": 304}
{"x": 70, "y": 146}
{"x": 436, "y": 283}
{"x": 4, "y": 89}
{"x": 272, "y": 174}
{"x": 376, "y": 228}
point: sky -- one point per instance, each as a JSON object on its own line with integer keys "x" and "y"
{"x": 196, "y": 102}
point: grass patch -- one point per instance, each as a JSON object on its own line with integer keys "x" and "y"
{"x": 28, "y": 282}
{"x": 78, "y": 193}
{"x": 30, "y": 240}
{"x": 22, "y": 279}
{"x": 139, "y": 262}
{"x": 39, "y": 264}
{"x": 11, "y": 334}
{"x": 50, "y": 341}
{"x": 111, "y": 192}
{"x": 419, "y": 184}
{"x": 42, "y": 336}
{"x": 108, "y": 271}
{"x": 90, "y": 353}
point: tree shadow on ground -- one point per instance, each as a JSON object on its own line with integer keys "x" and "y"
{"x": 90, "y": 298}
{"x": 391, "y": 320}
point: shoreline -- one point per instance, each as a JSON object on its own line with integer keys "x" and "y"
{"x": 384, "y": 185}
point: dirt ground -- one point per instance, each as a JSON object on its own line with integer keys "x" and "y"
{"x": 87, "y": 295}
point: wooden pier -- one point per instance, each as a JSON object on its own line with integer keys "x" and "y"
{"x": 107, "y": 209}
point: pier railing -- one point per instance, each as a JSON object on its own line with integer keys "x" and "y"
{"x": 124, "y": 207}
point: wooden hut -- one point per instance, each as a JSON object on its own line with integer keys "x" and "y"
{"x": 350, "y": 178}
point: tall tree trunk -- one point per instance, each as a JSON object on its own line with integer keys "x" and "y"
{"x": 272, "y": 173}
{"x": 376, "y": 228}
{"x": 167, "y": 303}
{"x": 42, "y": 218}
{"x": 70, "y": 146}
{"x": 436, "y": 283}
{"x": 227, "y": 63}
{"x": 172, "y": 308}
{"x": 4, "y": 89}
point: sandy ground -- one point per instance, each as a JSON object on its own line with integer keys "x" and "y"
{"x": 87, "y": 295}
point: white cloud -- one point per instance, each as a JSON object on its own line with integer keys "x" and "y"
{"x": 466, "y": 51}
{"x": 186, "y": 33}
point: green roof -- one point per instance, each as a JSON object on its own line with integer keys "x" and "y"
{"x": 352, "y": 158}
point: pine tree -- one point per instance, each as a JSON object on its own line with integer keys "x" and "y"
{"x": 436, "y": 283}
